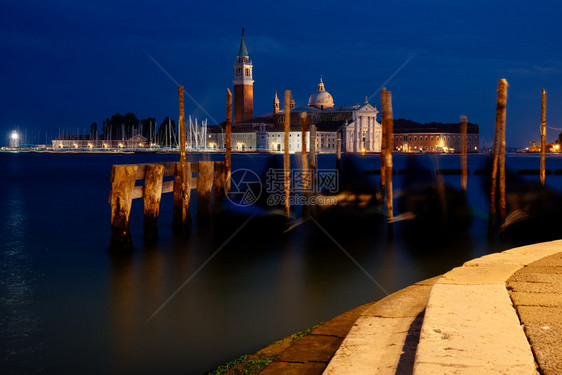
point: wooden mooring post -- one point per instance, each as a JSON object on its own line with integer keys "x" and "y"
{"x": 153, "y": 179}
{"x": 502, "y": 202}
{"x": 388, "y": 126}
{"x": 209, "y": 183}
{"x": 304, "y": 157}
{"x": 286, "y": 157}
{"x": 121, "y": 197}
{"x": 383, "y": 146}
{"x": 312, "y": 157}
{"x": 219, "y": 181}
{"x": 182, "y": 125}
{"x": 227, "y": 161}
{"x": 464, "y": 125}
{"x": 182, "y": 195}
{"x": 312, "y": 142}
{"x": 543, "y": 137}
{"x": 499, "y": 137}
{"x": 204, "y": 185}
{"x": 338, "y": 152}
{"x": 182, "y": 174}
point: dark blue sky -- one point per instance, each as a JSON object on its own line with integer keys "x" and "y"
{"x": 65, "y": 64}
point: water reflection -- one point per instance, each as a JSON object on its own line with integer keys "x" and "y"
{"x": 263, "y": 275}
{"x": 90, "y": 311}
{"x": 19, "y": 320}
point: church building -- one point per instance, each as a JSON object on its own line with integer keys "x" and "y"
{"x": 357, "y": 124}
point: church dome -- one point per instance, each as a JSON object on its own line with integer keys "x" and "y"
{"x": 321, "y": 99}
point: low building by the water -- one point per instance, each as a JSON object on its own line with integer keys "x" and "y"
{"x": 85, "y": 142}
{"x": 410, "y": 136}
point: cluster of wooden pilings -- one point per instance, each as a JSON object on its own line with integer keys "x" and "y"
{"x": 215, "y": 176}
{"x": 206, "y": 177}
{"x": 497, "y": 191}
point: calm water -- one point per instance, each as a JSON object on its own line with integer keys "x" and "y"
{"x": 68, "y": 305}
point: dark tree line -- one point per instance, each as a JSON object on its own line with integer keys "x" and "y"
{"x": 123, "y": 127}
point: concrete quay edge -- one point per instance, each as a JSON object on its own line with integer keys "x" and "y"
{"x": 466, "y": 325}
{"x": 470, "y": 324}
{"x": 383, "y": 340}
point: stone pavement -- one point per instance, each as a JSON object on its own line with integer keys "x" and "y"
{"x": 390, "y": 318}
{"x": 463, "y": 322}
{"x": 311, "y": 354}
{"x": 536, "y": 292}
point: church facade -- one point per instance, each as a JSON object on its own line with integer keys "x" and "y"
{"x": 356, "y": 125}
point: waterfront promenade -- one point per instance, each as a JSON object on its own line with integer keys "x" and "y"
{"x": 498, "y": 314}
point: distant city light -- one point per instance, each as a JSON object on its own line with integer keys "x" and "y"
{"x": 14, "y": 139}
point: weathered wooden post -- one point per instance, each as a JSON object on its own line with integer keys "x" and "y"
{"x": 204, "y": 186}
{"x": 227, "y": 161}
{"x": 182, "y": 126}
{"x": 182, "y": 195}
{"x": 464, "y": 125}
{"x": 389, "y": 127}
{"x": 312, "y": 157}
{"x": 123, "y": 179}
{"x": 500, "y": 117}
{"x": 338, "y": 152}
{"x": 219, "y": 181}
{"x": 153, "y": 178}
{"x": 286, "y": 157}
{"x": 304, "y": 161}
{"x": 312, "y": 146}
{"x": 182, "y": 176}
{"x": 383, "y": 144}
{"x": 502, "y": 203}
{"x": 543, "y": 136}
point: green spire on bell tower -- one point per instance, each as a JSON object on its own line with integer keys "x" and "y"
{"x": 243, "y": 52}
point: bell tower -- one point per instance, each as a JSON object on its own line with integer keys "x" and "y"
{"x": 275, "y": 104}
{"x": 243, "y": 85}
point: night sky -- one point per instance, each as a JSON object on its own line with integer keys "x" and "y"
{"x": 66, "y": 64}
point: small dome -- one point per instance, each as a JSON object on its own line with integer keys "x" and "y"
{"x": 321, "y": 99}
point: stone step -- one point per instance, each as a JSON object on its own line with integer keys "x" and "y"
{"x": 462, "y": 322}
{"x": 470, "y": 325}
{"x": 384, "y": 338}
